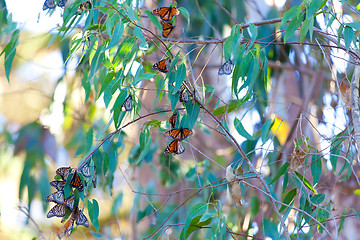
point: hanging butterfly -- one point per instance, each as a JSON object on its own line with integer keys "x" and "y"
{"x": 166, "y": 13}
{"x": 70, "y": 201}
{"x": 57, "y": 197}
{"x": 81, "y": 219}
{"x": 167, "y": 28}
{"x": 48, "y": 4}
{"x": 57, "y": 211}
{"x": 70, "y": 223}
{"x": 62, "y": 3}
{"x": 85, "y": 169}
{"x": 173, "y": 120}
{"x": 76, "y": 182}
{"x": 226, "y": 68}
{"x": 162, "y": 66}
{"x": 63, "y": 172}
{"x": 174, "y": 147}
{"x": 179, "y": 133}
{"x": 127, "y": 105}
{"x": 59, "y": 185}
{"x": 184, "y": 95}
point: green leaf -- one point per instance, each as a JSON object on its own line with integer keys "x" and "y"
{"x": 232, "y": 106}
{"x": 179, "y": 77}
{"x": 153, "y": 19}
{"x": 271, "y": 229}
{"x": 316, "y": 168}
{"x": 318, "y": 198}
{"x": 115, "y": 37}
{"x": 314, "y": 6}
{"x": 293, "y": 26}
{"x": 348, "y": 36}
{"x": 93, "y": 209}
{"x": 306, "y": 182}
{"x": 281, "y": 171}
{"x": 254, "y": 206}
{"x": 265, "y": 129}
{"x": 10, "y": 51}
{"x": 186, "y": 14}
{"x": 305, "y": 28}
{"x": 192, "y": 113}
{"x": 288, "y": 199}
{"x": 355, "y": 25}
{"x": 120, "y": 100}
{"x": 253, "y": 32}
{"x": 289, "y": 15}
{"x": 193, "y": 217}
{"x": 241, "y": 130}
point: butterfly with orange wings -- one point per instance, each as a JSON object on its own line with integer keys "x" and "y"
{"x": 174, "y": 147}
{"x": 80, "y": 219}
{"x": 63, "y": 172}
{"x": 179, "y": 133}
{"x": 76, "y": 182}
{"x": 173, "y": 120}
{"x": 166, "y": 13}
{"x": 167, "y": 28}
{"x": 162, "y": 66}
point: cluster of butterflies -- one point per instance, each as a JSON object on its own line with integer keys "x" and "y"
{"x": 166, "y": 14}
{"x": 177, "y": 135}
{"x": 50, "y": 4}
{"x": 66, "y": 207}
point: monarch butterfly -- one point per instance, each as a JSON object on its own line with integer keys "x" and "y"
{"x": 57, "y": 197}
{"x": 127, "y": 105}
{"x": 184, "y": 95}
{"x": 85, "y": 169}
{"x": 76, "y": 182}
{"x": 48, "y": 4}
{"x": 166, "y": 13}
{"x": 173, "y": 120}
{"x": 174, "y": 147}
{"x": 162, "y": 66}
{"x": 63, "y": 172}
{"x": 84, "y": 6}
{"x": 70, "y": 223}
{"x": 226, "y": 68}
{"x": 81, "y": 219}
{"x": 57, "y": 211}
{"x": 59, "y": 185}
{"x": 179, "y": 133}
{"x": 70, "y": 201}
{"x": 167, "y": 28}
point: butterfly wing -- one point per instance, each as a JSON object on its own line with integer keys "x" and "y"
{"x": 166, "y": 13}
{"x": 57, "y": 211}
{"x": 85, "y": 169}
{"x": 162, "y": 66}
{"x": 174, "y": 147}
{"x": 185, "y": 132}
{"x": 82, "y": 220}
{"x": 167, "y": 29}
{"x": 76, "y": 182}
{"x": 173, "y": 120}
{"x": 226, "y": 68}
{"x": 57, "y": 197}
{"x": 184, "y": 96}
{"x": 59, "y": 185}
{"x": 63, "y": 172}
{"x": 94, "y": 178}
{"x": 69, "y": 226}
{"x": 69, "y": 202}
{"x": 175, "y": 134}
{"x": 48, "y": 4}
{"x": 127, "y": 105}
